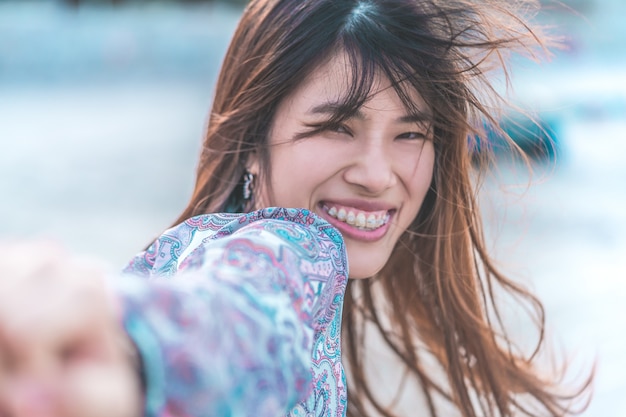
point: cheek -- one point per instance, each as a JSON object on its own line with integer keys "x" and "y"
{"x": 290, "y": 177}
{"x": 299, "y": 170}
{"x": 420, "y": 183}
{"x": 417, "y": 182}
{"x": 417, "y": 177}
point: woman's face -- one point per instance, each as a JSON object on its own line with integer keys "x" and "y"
{"x": 367, "y": 176}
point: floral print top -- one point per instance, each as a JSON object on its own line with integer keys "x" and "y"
{"x": 239, "y": 315}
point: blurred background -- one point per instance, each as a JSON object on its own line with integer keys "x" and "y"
{"x": 103, "y": 105}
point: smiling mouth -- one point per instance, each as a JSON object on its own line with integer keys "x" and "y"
{"x": 362, "y": 220}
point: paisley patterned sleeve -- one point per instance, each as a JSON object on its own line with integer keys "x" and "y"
{"x": 226, "y": 312}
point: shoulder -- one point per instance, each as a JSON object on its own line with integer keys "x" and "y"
{"x": 300, "y": 229}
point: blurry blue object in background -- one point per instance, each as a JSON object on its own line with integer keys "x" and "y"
{"x": 537, "y": 136}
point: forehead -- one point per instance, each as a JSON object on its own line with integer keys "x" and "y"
{"x": 336, "y": 77}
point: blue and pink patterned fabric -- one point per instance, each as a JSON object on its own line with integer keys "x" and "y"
{"x": 239, "y": 315}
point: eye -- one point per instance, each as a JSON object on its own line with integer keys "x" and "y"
{"x": 339, "y": 128}
{"x": 412, "y": 136}
{"x": 322, "y": 128}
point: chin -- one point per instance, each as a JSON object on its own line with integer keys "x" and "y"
{"x": 364, "y": 271}
{"x": 365, "y": 264}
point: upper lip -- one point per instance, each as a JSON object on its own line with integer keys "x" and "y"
{"x": 363, "y": 205}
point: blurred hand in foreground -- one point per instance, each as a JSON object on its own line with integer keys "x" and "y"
{"x": 63, "y": 351}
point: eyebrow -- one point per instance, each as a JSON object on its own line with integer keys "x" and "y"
{"x": 331, "y": 108}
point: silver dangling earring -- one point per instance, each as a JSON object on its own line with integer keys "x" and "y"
{"x": 248, "y": 183}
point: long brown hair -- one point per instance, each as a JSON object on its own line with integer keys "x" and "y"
{"x": 437, "y": 289}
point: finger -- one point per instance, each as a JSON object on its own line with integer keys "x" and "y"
{"x": 101, "y": 391}
{"x": 28, "y": 396}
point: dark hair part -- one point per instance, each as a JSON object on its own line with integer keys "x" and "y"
{"x": 437, "y": 291}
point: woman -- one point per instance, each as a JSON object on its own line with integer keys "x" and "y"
{"x": 355, "y": 114}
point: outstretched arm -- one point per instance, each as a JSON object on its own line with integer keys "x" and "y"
{"x": 227, "y": 314}
{"x": 227, "y": 323}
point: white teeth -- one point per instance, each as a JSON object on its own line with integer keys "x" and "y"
{"x": 359, "y": 219}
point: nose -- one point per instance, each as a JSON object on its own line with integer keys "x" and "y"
{"x": 371, "y": 168}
